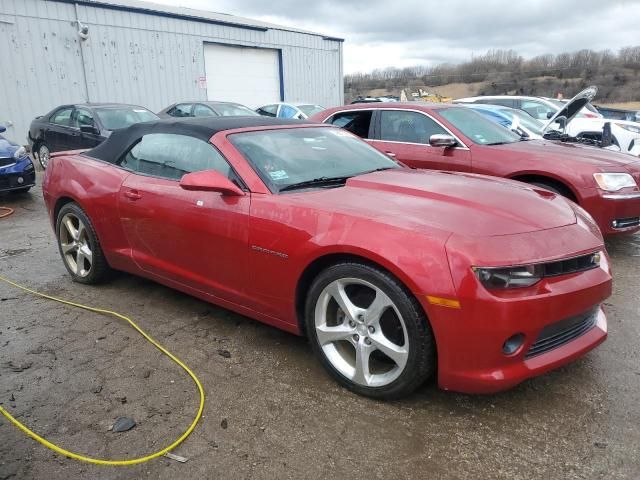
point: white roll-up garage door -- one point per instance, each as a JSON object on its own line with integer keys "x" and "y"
{"x": 250, "y": 76}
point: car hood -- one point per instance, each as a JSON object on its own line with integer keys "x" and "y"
{"x": 7, "y": 148}
{"x": 464, "y": 204}
{"x": 573, "y": 107}
{"x": 549, "y": 152}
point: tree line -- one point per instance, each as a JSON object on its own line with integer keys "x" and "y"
{"x": 506, "y": 72}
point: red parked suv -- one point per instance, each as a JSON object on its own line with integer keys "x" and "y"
{"x": 451, "y": 137}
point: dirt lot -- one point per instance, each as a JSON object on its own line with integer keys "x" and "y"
{"x": 68, "y": 374}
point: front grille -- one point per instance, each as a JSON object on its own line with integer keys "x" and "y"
{"x": 572, "y": 265}
{"x": 7, "y": 161}
{"x": 560, "y": 333}
{"x": 5, "y": 182}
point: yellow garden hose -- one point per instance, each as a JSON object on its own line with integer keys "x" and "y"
{"x": 98, "y": 461}
{"x": 6, "y": 211}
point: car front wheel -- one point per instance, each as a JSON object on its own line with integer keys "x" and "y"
{"x": 369, "y": 332}
{"x": 79, "y": 246}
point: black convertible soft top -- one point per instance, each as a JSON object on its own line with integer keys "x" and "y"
{"x": 204, "y": 128}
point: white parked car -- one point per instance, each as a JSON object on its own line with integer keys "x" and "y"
{"x": 300, "y": 110}
{"x": 540, "y": 108}
{"x": 625, "y": 135}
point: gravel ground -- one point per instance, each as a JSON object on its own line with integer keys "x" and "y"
{"x": 271, "y": 412}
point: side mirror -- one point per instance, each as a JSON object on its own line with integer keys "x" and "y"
{"x": 441, "y": 140}
{"x": 3, "y": 128}
{"x": 89, "y": 129}
{"x": 550, "y": 114}
{"x": 210, "y": 181}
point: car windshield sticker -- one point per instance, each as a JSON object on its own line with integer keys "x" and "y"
{"x": 278, "y": 175}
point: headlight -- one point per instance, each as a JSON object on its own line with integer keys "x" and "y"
{"x": 630, "y": 128}
{"x": 612, "y": 182}
{"x": 19, "y": 153}
{"x": 509, "y": 277}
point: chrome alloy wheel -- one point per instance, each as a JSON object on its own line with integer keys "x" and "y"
{"x": 43, "y": 155}
{"x": 75, "y": 246}
{"x": 361, "y": 332}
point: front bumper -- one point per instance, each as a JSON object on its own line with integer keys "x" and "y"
{"x": 470, "y": 339}
{"x": 609, "y": 209}
{"x": 17, "y": 176}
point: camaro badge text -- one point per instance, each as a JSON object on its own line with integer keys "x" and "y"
{"x": 271, "y": 252}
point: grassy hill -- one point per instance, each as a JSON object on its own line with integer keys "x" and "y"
{"x": 617, "y": 76}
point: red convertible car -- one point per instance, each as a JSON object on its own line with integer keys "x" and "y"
{"x": 394, "y": 274}
{"x": 452, "y": 137}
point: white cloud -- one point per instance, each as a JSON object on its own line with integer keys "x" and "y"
{"x": 380, "y": 33}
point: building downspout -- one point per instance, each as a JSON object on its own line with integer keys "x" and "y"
{"x": 84, "y": 67}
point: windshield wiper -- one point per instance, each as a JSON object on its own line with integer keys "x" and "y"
{"x": 316, "y": 182}
{"x": 382, "y": 169}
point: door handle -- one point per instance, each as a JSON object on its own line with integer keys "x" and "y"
{"x": 132, "y": 195}
{"x": 391, "y": 154}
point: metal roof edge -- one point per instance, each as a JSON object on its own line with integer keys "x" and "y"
{"x": 150, "y": 8}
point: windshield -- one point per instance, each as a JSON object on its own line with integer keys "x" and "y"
{"x": 477, "y": 128}
{"x": 310, "y": 110}
{"x": 122, "y": 117}
{"x": 289, "y": 156}
{"x": 233, "y": 110}
{"x": 529, "y": 123}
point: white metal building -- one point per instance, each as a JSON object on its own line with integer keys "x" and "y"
{"x": 151, "y": 55}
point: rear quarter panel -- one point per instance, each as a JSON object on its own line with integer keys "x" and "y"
{"x": 94, "y": 185}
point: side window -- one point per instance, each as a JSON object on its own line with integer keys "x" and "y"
{"x": 410, "y": 127}
{"x": 537, "y": 110}
{"x": 200, "y": 110}
{"x": 172, "y": 156}
{"x": 268, "y": 110}
{"x": 84, "y": 118}
{"x": 62, "y": 117}
{"x": 287, "y": 111}
{"x": 356, "y": 122}
{"x": 180, "y": 111}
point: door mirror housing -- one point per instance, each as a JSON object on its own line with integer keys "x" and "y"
{"x": 3, "y": 128}
{"x": 210, "y": 181}
{"x": 550, "y": 114}
{"x": 440, "y": 140}
{"x": 89, "y": 129}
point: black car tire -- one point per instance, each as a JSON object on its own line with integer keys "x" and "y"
{"x": 39, "y": 148}
{"x": 421, "y": 356}
{"x": 99, "y": 269}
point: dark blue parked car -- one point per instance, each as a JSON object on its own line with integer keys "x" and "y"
{"x": 17, "y": 173}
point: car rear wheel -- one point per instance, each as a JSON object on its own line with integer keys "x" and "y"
{"x": 43, "y": 155}
{"x": 79, "y": 246}
{"x": 369, "y": 332}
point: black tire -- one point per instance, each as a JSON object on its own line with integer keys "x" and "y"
{"x": 21, "y": 190}
{"x": 42, "y": 161}
{"x": 99, "y": 270}
{"x": 421, "y": 358}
